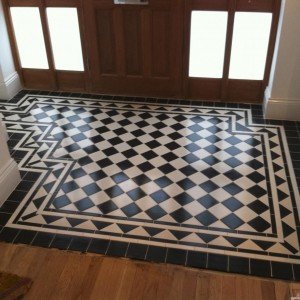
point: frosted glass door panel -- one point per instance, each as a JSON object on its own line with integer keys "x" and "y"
{"x": 207, "y": 44}
{"x": 65, "y": 38}
{"x": 29, "y": 37}
{"x": 250, "y": 45}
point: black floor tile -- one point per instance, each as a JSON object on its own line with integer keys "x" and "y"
{"x": 156, "y": 254}
{"x": 117, "y": 248}
{"x": 43, "y": 239}
{"x": 282, "y": 270}
{"x": 24, "y": 186}
{"x": 176, "y": 256}
{"x": 4, "y": 217}
{"x": 32, "y": 176}
{"x": 196, "y": 259}
{"x": 98, "y": 246}
{"x": 296, "y": 269}
{"x": 239, "y": 265}
{"x": 17, "y": 196}
{"x": 9, "y": 207}
{"x": 137, "y": 251}
{"x": 217, "y": 262}
{"x": 260, "y": 268}
{"x": 79, "y": 244}
{"x": 61, "y": 242}
{"x": 25, "y": 237}
{"x": 8, "y": 234}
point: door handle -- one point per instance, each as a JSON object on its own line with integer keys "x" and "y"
{"x": 135, "y": 2}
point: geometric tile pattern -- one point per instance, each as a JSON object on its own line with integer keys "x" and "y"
{"x": 186, "y": 177}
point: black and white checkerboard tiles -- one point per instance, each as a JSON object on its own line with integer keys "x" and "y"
{"x": 192, "y": 179}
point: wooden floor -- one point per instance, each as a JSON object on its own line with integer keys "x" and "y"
{"x": 67, "y": 275}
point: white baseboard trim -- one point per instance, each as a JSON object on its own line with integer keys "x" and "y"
{"x": 281, "y": 109}
{"x": 9, "y": 179}
{"x": 10, "y": 87}
{"x": 3, "y": 130}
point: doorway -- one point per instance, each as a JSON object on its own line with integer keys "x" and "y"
{"x": 194, "y": 49}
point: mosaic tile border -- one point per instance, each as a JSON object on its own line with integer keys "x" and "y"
{"x": 217, "y": 261}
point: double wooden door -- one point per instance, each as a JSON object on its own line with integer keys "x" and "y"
{"x": 144, "y": 50}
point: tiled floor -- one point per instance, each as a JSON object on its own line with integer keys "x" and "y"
{"x": 209, "y": 186}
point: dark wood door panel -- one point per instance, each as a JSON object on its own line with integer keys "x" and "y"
{"x": 204, "y": 89}
{"x": 38, "y": 79}
{"x": 207, "y": 4}
{"x": 132, "y": 42}
{"x": 255, "y": 5}
{"x": 244, "y": 90}
{"x": 161, "y": 42}
{"x": 106, "y": 43}
{"x": 135, "y": 49}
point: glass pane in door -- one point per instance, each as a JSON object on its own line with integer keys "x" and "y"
{"x": 207, "y": 43}
{"x": 250, "y": 45}
{"x": 65, "y": 38}
{"x": 29, "y": 37}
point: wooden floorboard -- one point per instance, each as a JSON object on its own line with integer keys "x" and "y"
{"x": 68, "y": 275}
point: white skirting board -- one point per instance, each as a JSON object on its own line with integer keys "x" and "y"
{"x": 10, "y": 87}
{"x": 281, "y": 109}
{"x": 3, "y": 129}
{"x": 9, "y": 179}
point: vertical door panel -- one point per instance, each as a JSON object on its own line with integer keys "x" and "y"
{"x": 161, "y": 25}
{"x": 136, "y": 49}
{"x": 133, "y": 42}
{"x": 106, "y": 42}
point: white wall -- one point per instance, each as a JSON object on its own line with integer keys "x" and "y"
{"x": 282, "y": 97}
{"x": 4, "y": 153}
{"x": 9, "y": 80}
{"x": 9, "y": 173}
{"x": 9, "y": 87}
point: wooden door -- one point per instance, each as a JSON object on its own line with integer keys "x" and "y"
{"x": 49, "y": 78}
{"x": 135, "y": 49}
{"x": 224, "y": 87}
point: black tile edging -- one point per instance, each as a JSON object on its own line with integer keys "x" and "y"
{"x": 256, "y": 107}
{"x": 193, "y": 259}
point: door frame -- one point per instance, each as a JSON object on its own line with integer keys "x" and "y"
{"x": 48, "y": 79}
